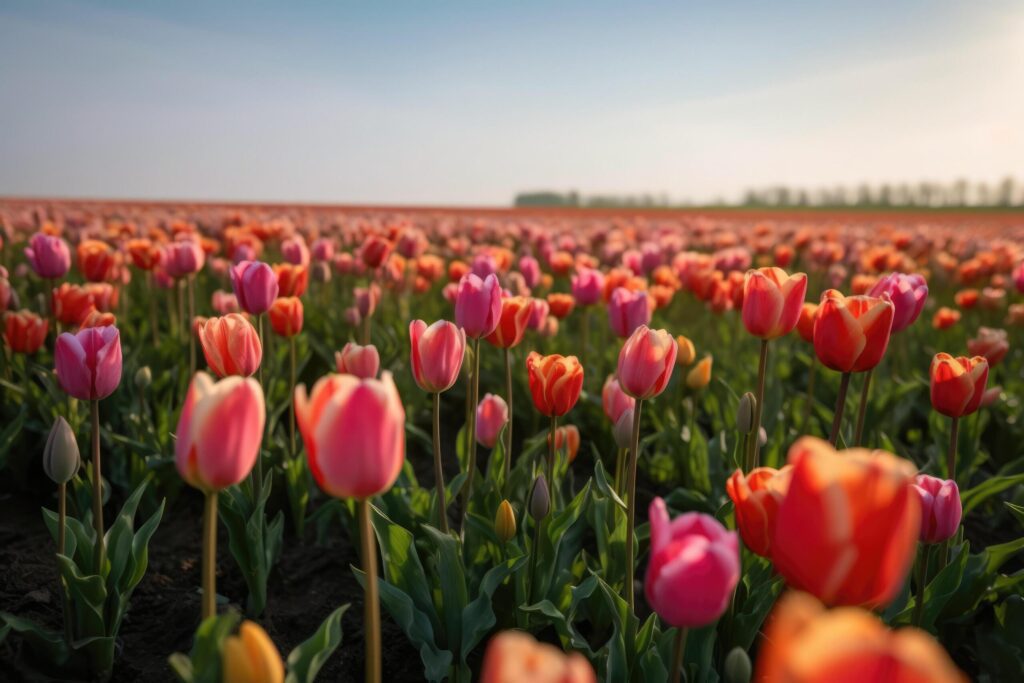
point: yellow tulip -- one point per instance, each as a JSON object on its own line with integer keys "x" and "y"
{"x": 700, "y": 375}
{"x": 251, "y": 657}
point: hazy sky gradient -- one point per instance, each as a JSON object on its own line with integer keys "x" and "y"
{"x": 468, "y": 103}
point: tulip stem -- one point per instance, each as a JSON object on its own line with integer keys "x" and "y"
{"x": 183, "y": 324}
{"x": 865, "y": 395}
{"x": 837, "y": 421}
{"x": 188, "y": 326}
{"x": 62, "y": 517}
{"x": 922, "y": 579}
{"x": 678, "y": 649}
{"x": 585, "y": 336}
{"x": 508, "y": 427}
{"x": 551, "y": 457}
{"x": 755, "y": 444}
{"x": 291, "y": 397}
{"x": 258, "y": 470}
{"x": 442, "y": 506}
{"x": 153, "y": 326}
{"x": 534, "y": 553}
{"x": 371, "y": 603}
{"x": 471, "y": 441}
{"x": 97, "y": 488}
{"x": 631, "y": 502}
{"x": 210, "y": 555}
{"x": 809, "y": 409}
{"x": 954, "y": 435}
{"x": 620, "y": 463}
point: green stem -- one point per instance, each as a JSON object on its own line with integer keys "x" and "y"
{"x": 837, "y": 421}
{"x": 291, "y": 397}
{"x": 508, "y": 427}
{"x": 620, "y": 465}
{"x": 97, "y": 488}
{"x": 534, "y": 553}
{"x": 442, "y": 506}
{"x": 552, "y": 437}
{"x": 258, "y": 470}
{"x": 188, "y": 326}
{"x": 922, "y": 579}
{"x": 631, "y": 503}
{"x": 755, "y": 443}
{"x": 62, "y": 517}
{"x": 954, "y": 434}
{"x": 678, "y": 649}
{"x": 371, "y": 603}
{"x": 865, "y": 395}
{"x": 811, "y": 373}
{"x": 210, "y": 555}
{"x": 471, "y": 445}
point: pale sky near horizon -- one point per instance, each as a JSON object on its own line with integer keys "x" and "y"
{"x": 471, "y": 102}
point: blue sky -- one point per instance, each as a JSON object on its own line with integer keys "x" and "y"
{"x": 468, "y": 103}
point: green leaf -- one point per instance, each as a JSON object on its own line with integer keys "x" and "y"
{"x": 451, "y": 579}
{"x": 1016, "y": 510}
{"x": 478, "y": 616}
{"x": 973, "y": 497}
{"x": 401, "y": 564}
{"x": 305, "y": 661}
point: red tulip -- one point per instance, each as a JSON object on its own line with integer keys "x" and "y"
{"x": 24, "y": 331}
{"x": 957, "y": 384}
{"x": 515, "y": 313}
{"x": 756, "y": 498}
{"x": 286, "y": 316}
{"x": 646, "y": 362}
{"x": 852, "y": 333}
{"x": 555, "y": 382}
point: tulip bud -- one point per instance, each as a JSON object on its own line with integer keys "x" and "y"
{"x": 60, "y": 456}
{"x": 143, "y": 378}
{"x": 745, "y": 413}
{"x": 540, "y": 499}
{"x": 623, "y": 431}
{"x": 737, "y": 666}
{"x": 700, "y": 374}
{"x": 505, "y": 522}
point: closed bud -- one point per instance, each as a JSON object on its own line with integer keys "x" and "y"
{"x": 540, "y": 499}
{"x": 143, "y": 378}
{"x": 60, "y": 457}
{"x": 505, "y": 522}
{"x": 745, "y": 413}
{"x": 737, "y": 666}
{"x": 623, "y": 430}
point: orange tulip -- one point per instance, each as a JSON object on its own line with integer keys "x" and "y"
{"x": 805, "y": 326}
{"x": 945, "y": 318}
{"x": 567, "y": 437}
{"x": 756, "y": 498}
{"x": 851, "y": 333}
{"x": 71, "y": 303}
{"x": 96, "y": 318}
{"x": 687, "y": 351}
{"x": 771, "y": 301}
{"x": 847, "y": 528}
{"x": 286, "y": 316}
{"x": 561, "y": 305}
{"x": 515, "y": 657}
{"x": 555, "y": 382}
{"x": 966, "y": 299}
{"x": 957, "y": 384}
{"x": 292, "y": 280}
{"x": 515, "y": 314}
{"x": 24, "y": 331}
{"x": 699, "y": 375}
{"x": 97, "y": 261}
{"x": 144, "y": 253}
{"x": 231, "y": 345}
{"x": 805, "y": 643}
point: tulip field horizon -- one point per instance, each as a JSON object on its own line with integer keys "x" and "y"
{"x": 270, "y": 442}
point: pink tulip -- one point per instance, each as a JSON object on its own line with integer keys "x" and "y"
{"x": 530, "y": 270}
{"x": 367, "y": 299}
{"x": 694, "y": 567}
{"x": 231, "y": 345}
{"x": 48, "y": 255}
{"x": 627, "y": 311}
{"x": 354, "y": 431}
{"x": 1018, "y": 277}
{"x": 538, "y": 314}
{"x": 614, "y": 400}
{"x": 478, "y": 305}
{"x": 219, "y": 432}
{"x": 323, "y": 250}
{"x": 255, "y": 285}
{"x": 295, "y": 252}
{"x": 484, "y": 266}
{"x": 908, "y": 294}
{"x": 436, "y": 354}
{"x": 491, "y": 416}
{"x": 587, "y": 286}
{"x": 183, "y": 257}
{"x": 89, "y": 362}
{"x": 224, "y": 302}
{"x": 772, "y": 301}
{"x": 941, "y": 509}
{"x": 361, "y": 361}
{"x": 646, "y": 362}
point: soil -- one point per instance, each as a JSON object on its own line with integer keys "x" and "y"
{"x": 309, "y": 582}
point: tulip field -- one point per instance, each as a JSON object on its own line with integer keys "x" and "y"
{"x": 262, "y": 444}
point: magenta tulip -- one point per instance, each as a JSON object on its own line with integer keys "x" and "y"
{"x": 89, "y": 362}
{"x": 184, "y": 257}
{"x": 295, "y": 252}
{"x": 436, "y": 354}
{"x": 361, "y": 361}
{"x": 627, "y": 311}
{"x": 908, "y": 294}
{"x": 941, "y": 508}
{"x": 614, "y": 400}
{"x": 255, "y": 286}
{"x": 530, "y": 270}
{"x": 48, "y": 255}
{"x": 478, "y": 305}
{"x": 587, "y": 286}
{"x": 694, "y": 567}
{"x": 219, "y": 432}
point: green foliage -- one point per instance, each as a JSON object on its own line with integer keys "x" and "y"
{"x": 254, "y": 542}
